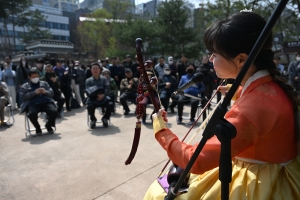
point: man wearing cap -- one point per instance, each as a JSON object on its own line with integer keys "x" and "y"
{"x": 166, "y": 86}
{"x": 101, "y": 99}
{"x": 127, "y": 63}
{"x": 159, "y": 68}
{"x": 128, "y": 89}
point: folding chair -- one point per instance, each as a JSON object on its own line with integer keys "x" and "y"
{"x": 88, "y": 121}
{"x": 10, "y": 115}
{"x": 28, "y": 129}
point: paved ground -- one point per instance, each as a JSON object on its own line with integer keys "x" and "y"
{"x": 79, "y": 163}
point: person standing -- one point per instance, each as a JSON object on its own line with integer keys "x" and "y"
{"x": 65, "y": 82}
{"x": 21, "y": 77}
{"x": 80, "y": 79}
{"x": 54, "y": 83}
{"x": 181, "y": 68}
{"x": 293, "y": 68}
{"x": 9, "y": 77}
{"x": 73, "y": 74}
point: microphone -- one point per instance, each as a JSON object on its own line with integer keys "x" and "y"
{"x": 198, "y": 77}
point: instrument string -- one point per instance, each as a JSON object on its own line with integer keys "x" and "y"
{"x": 192, "y": 126}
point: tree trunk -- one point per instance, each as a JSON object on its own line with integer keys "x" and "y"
{"x": 7, "y": 37}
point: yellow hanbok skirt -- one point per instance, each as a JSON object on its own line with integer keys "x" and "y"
{"x": 250, "y": 181}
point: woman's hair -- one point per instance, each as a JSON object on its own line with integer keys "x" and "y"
{"x": 21, "y": 64}
{"x": 238, "y": 34}
{"x": 190, "y": 64}
{"x": 70, "y": 61}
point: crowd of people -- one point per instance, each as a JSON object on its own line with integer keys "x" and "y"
{"x": 64, "y": 85}
{"x": 69, "y": 80}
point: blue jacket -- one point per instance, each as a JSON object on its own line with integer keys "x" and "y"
{"x": 195, "y": 89}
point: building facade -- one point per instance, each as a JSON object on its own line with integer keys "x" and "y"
{"x": 65, "y": 5}
{"x": 56, "y": 23}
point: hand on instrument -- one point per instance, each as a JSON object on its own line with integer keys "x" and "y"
{"x": 162, "y": 113}
{"x": 223, "y": 89}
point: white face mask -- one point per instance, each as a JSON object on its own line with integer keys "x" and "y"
{"x": 24, "y": 63}
{"x": 167, "y": 72}
{"x": 298, "y": 58}
{"x": 170, "y": 62}
{"x": 70, "y": 65}
{"x": 149, "y": 77}
{"x": 35, "y": 80}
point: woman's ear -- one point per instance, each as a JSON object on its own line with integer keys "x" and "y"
{"x": 241, "y": 59}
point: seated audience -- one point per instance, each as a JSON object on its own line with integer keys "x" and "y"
{"x": 37, "y": 97}
{"x": 128, "y": 89}
{"x": 54, "y": 83}
{"x": 166, "y": 86}
{"x": 3, "y": 102}
{"x": 101, "y": 98}
{"x": 194, "y": 90}
{"x": 112, "y": 86}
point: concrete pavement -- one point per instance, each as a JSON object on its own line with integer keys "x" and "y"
{"x": 81, "y": 163}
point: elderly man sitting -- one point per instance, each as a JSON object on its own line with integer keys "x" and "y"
{"x": 37, "y": 97}
{"x": 97, "y": 88}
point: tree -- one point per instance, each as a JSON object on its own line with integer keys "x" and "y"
{"x": 9, "y": 11}
{"x": 94, "y": 34}
{"x": 136, "y": 28}
{"x": 32, "y": 23}
{"x": 174, "y": 34}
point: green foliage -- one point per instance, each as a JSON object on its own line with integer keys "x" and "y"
{"x": 119, "y": 8}
{"x": 176, "y": 36}
{"x": 94, "y": 34}
{"x": 32, "y": 21}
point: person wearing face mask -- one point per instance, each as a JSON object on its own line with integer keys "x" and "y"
{"x": 37, "y": 97}
{"x": 21, "y": 77}
{"x": 54, "y": 83}
{"x": 166, "y": 86}
{"x": 73, "y": 74}
{"x": 39, "y": 65}
{"x": 172, "y": 66}
{"x": 293, "y": 68}
{"x": 194, "y": 90}
{"x": 9, "y": 77}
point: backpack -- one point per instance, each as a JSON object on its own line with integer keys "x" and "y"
{"x": 74, "y": 103}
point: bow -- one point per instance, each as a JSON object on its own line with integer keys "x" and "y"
{"x": 145, "y": 89}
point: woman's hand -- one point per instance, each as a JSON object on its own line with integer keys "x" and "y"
{"x": 162, "y": 113}
{"x": 224, "y": 89}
